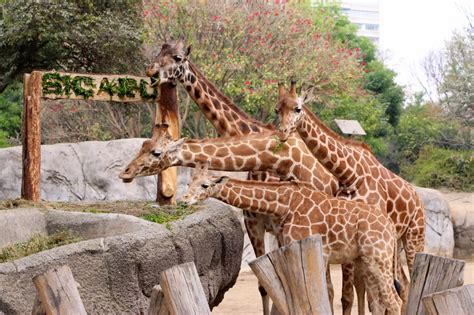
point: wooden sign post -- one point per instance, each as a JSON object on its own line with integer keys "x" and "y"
{"x": 167, "y": 112}
{"x": 118, "y": 88}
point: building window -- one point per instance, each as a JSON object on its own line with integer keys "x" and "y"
{"x": 372, "y": 27}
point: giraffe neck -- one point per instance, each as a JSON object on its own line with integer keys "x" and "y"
{"x": 342, "y": 159}
{"x": 224, "y": 115}
{"x": 257, "y": 197}
{"x": 233, "y": 154}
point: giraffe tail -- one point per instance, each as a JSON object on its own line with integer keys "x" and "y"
{"x": 396, "y": 282}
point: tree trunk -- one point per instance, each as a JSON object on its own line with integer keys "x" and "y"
{"x": 432, "y": 274}
{"x": 294, "y": 276}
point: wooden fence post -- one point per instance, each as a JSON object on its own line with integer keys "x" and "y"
{"x": 157, "y": 302}
{"x": 167, "y": 111}
{"x": 294, "y": 277}
{"x": 459, "y": 301}
{"x": 183, "y": 290}
{"x": 31, "y": 137}
{"x": 58, "y": 292}
{"x": 432, "y": 274}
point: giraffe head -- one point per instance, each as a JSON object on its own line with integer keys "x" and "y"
{"x": 203, "y": 185}
{"x": 155, "y": 155}
{"x": 171, "y": 63}
{"x": 290, "y": 109}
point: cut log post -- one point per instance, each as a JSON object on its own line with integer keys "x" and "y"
{"x": 294, "y": 277}
{"x": 183, "y": 290}
{"x": 38, "y": 308}
{"x": 31, "y": 137}
{"x": 58, "y": 292}
{"x": 157, "y": 302}
{"x": 432, "y": 274}
{"x": 167, "y": 112}
{"x": 459, "y": 301}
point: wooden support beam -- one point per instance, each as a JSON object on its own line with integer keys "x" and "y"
{"x": 31, "y": 138}
{"x": 294, "y": 277}
{"x": 183, "y": 290}
{"x": 167, "y": 111}
{"x": 157, "y": 302}
{"x": 459, "y": 301}
{"x": 432, "y": 274}
{"x": 58, "y": 292}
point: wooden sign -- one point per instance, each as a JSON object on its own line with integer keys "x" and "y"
{"x": 105, "y": 87}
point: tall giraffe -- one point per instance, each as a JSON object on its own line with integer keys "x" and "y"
{"x": 351, "y": 231}
{"x": 361, "y": 176}
{"x": 172, "y": 64}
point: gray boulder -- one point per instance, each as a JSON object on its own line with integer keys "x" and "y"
{"x": 122, "y": 257}
{"x": 79, "y": 171}
{"x": 463, "y": 222}
{"x": 439, "y": 235}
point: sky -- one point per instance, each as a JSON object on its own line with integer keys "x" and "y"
{"x": 410, "y": 29}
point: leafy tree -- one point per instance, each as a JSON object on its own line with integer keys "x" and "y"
{"x": 86, "y": 36}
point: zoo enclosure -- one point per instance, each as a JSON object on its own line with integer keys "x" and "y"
{"x": 41, "y": 85}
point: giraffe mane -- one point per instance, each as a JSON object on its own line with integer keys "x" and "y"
{"x": 258, "y": 183}
{"x": 335, "y": 135}
{"x": 228, "y": 139}
{"x": 227, "y": 100}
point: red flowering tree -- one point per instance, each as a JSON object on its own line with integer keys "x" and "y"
{"x": 245, "y": 49}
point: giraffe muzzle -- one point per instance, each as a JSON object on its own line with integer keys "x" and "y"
{"x": 125, "y": 176}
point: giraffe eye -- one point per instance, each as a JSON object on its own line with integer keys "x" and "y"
{"x": 205, "y": 186}
{"x": 297, "y": 109}
{"x": 178, "y": 58}
{"x": 156, "y": 153}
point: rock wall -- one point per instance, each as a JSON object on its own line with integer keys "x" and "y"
{"x": 117, "y": 273}
{"x": 79, "y": 171}
{"x": 439, "y": 235}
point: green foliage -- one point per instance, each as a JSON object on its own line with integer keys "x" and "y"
{"x": 36, "y": 244}
{"x": 437, "y": 167}
{"x": 81, "y": 36}
{"x": 166, "y": 215}
{"x": 10, "y": 114}
{"x": 380, "y": 81}
{"x": 457, "y": 87}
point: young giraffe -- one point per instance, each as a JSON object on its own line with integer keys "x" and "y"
{"x": 361, "y": 176}
{"x": 350, "y": 231}
{"x": 172, "y": 64}
{"x": 253, "y": 153}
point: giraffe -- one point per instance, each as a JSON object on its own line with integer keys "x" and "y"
{"x": 172, "y": 64}
{"x": 351, "y": 231}
{"x": 361, "y": 176}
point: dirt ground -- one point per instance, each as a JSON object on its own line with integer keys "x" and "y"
{"x": 244, "y": 298}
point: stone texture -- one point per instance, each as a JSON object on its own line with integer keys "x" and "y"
{"x": 439, "y": 235}
{"x": 463, "y": 222}
{"x": 116, "y": 273}
{"x": 79, "y": 171}
{"x": 20, "y": 225}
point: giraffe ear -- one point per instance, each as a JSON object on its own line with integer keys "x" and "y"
{"x": 307, "y": 96}
{"x": 188, "y": 50}
{"x": 221, "y": 180}
{"x": 176, "y": 145}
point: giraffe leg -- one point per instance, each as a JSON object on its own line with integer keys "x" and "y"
{"x": 256, "y": 232}
{"x": 380, "y": 285}
{"x": 347, "y": 298}
{"x": 330, "y": 287}
{"x": 359, "y": 285}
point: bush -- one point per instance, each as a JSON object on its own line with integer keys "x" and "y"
{"x": 438, "y": 167}
{"x": 10, "y": 115}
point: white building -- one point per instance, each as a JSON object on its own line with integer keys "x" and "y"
{"x": 363, "y": 13}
